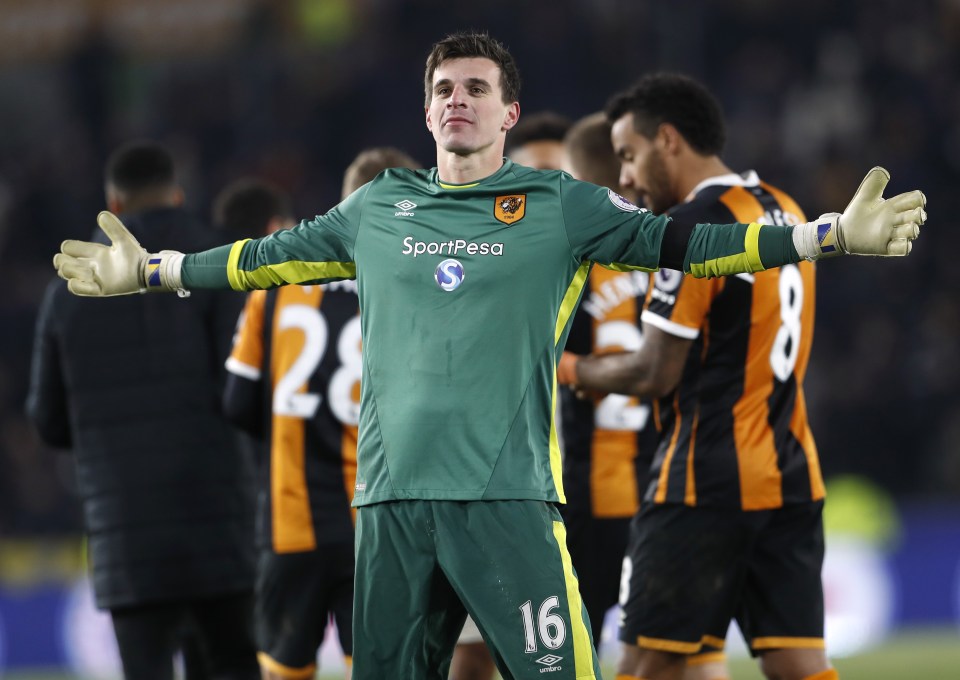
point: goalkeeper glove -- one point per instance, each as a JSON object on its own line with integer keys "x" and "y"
{"x": 124, "y": 267}
{"x": 869, "y": 225}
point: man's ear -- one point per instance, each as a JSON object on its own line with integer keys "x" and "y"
{"x": 668, "y": 139}
{"x": 511, "y": 117}
{"x": 426, "y": 115}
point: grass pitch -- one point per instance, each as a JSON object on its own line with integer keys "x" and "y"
{"x": 926, "y": 654}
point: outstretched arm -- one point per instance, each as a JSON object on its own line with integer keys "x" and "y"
{"x": 870, "y": 225}
{"x": 316, "y": 251}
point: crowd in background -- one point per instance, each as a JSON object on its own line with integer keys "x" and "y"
{"x": 815, "y": 93}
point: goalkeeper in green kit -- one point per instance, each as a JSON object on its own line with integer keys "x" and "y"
{"x": 468, "y": 275}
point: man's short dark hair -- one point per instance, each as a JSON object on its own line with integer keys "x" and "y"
{"x": 245, "y": 207}
{"x": 543, "y": 126}
{"x": 138, "y": 166}
{"x": 371, "y": 162}
{"x": 469, "y": 44}
{"x": 676, "y": 99}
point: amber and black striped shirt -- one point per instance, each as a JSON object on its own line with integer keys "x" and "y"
{"x": 735, "y": 431}
{"x": 608, "y": 443}
{"x": 296, "y": 366}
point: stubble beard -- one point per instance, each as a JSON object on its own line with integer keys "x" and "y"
{"x": 659, "y": 197}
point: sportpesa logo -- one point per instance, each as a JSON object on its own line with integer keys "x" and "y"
{"x": 449, "y": 247}
{"x": 449, "y": 275}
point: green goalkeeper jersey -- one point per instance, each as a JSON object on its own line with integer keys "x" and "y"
{"x": 466, "y": 293}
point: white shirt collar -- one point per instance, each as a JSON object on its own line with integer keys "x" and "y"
{"x": 747, "y": 179}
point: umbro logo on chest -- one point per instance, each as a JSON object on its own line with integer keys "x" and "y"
{"x": 405, "y": 208}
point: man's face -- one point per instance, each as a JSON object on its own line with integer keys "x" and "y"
{"x": 642, "y": 168}
{"x": 544, "y": 154}
{"x": 466, "y": 112}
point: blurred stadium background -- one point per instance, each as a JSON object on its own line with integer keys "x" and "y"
{"x": 815, "y": 93}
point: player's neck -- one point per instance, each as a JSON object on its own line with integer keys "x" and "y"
{"x": 454, "y": 168}
{"x": 695, "y": 170}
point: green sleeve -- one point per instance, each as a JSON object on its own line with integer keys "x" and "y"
{"x": 721, "y": 250}
{"x": 207, "y": 269}
{"x": 605, "y": 228}
{"x": 315, "y": 251}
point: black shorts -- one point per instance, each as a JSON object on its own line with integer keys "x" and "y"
{"x": 597, "y": 547}
{"x": 296, "y": 594}
{"x": 690, "y": 570}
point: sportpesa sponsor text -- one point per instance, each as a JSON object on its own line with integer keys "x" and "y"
{"x": 450, "y": 247}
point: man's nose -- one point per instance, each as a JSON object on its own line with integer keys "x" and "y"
{"x": 458, "y": 97}
{"x": 626, "y": 177}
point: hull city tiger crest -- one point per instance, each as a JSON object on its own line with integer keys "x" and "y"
{"x": 510, "y": 209}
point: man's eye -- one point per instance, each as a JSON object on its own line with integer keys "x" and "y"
{"x": 478, "y": 90}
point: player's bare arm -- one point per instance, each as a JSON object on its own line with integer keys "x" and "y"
{"x": 653, "y": 371}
